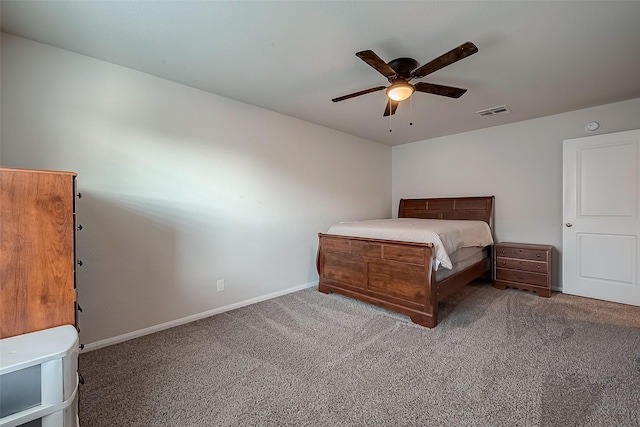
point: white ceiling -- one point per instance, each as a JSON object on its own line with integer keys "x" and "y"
{"x": 539, "y": 57}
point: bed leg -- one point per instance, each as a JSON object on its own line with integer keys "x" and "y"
{"x": 323, "y": 288}
{"x": 424, "y": 320}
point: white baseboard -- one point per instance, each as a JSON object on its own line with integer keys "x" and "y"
{"x": 157, "y": 328}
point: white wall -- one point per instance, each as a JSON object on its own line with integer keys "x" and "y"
{"x": 520, "y": 163}
{"x": 180, "y": 187}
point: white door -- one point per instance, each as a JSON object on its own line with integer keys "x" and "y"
{"x": 601, "y": 224}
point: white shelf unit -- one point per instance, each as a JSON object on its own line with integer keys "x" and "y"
{"x": 39, "y": 378}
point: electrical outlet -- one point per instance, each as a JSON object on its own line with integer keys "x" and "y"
{"x": 220, "y": 284}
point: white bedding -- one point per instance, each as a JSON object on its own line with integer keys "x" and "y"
{"x": 446, "y": 235}
{"x": 461, "y": 259}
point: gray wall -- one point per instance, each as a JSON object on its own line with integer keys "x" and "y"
{"x": 180, "y": 187}
{"x": 519, "y": 163}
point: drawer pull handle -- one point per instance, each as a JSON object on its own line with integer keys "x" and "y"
{"x": 538, "y": 255}
{"x": 504, "y": 263}
{"x": 504, "y": 252}
{"x": 538, "y": 267}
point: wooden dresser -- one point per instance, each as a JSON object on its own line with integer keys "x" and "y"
{"x": 523, "y": 266}
{"x": 37, "y": 251}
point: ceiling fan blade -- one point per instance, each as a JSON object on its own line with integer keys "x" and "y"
{"x": 362, "y": 92}
{"x": 448, "y": 58}
{"x": 391, "y": 108}
{"x": 376, "y": 62}
{"x": 450, "y": 91}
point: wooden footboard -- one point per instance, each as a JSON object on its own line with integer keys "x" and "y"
{"x": 393, "y": 275}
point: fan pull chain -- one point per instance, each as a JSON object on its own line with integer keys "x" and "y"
{"x": 411, "y": 111}
{"x": 389, "y": 104}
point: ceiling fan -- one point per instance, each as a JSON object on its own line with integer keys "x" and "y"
{"x": 401, "y": 70}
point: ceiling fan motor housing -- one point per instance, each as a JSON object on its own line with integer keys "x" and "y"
{"x": 404, "y": 67}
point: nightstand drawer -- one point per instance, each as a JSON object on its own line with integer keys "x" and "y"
{"x": 524, "y": 266}
{"x": 521, "y": 264}
{"x": 522, "y": 277}
{"x": 523, "y": 253}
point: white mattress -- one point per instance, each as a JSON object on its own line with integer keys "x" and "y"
{"x": 447, "y": 236}
{"x": 461, "y": 259}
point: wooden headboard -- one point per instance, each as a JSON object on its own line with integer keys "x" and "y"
{"x": 472, "y": 208}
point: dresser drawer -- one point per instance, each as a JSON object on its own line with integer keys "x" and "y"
{"x": 522, "y": 253}
{"x": 521, "y": 264}
{"x": 536, "y": 279}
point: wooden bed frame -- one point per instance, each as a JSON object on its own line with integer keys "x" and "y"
{"x": 396, "y": 275}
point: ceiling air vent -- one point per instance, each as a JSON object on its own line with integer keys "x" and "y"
{"x": 495, "y": 111}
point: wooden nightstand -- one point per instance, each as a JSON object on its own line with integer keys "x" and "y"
{"x": 523, "y": 266}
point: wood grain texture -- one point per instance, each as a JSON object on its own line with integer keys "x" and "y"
{"x": 468, "y": 208}
{"x": 395, "y": 275}
{"x": 37, "y": 259}
{"x": 523, "y": 266}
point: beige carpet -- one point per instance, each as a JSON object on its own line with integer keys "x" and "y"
{"x": 498, "y": 358}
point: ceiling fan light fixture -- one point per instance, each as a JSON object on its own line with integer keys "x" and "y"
{"x": 400, "y": 90}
